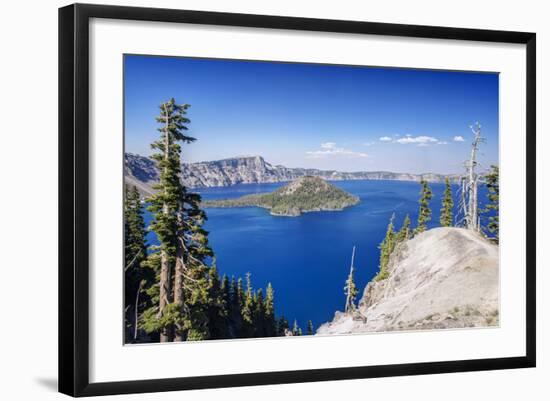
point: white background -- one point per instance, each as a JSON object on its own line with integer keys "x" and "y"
{"x": 28, "y": 83}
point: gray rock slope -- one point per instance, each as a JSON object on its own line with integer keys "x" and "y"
{"x": 141, "y": 171}
{"x": 443, "y": 278}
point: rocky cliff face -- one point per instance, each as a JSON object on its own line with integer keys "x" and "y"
{"x": 141, "y": 171}
{"x": 222, "y": 173}
{"x": 442, "y": 278}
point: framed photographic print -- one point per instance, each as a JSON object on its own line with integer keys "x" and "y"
{"x": 250, "y": 199}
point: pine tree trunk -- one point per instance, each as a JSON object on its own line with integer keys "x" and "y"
{"x": 166, "y": 334}
{"x": 463, "y": 201}
{"x": 136, "y": 311}
{"x": 165, "y": 289}
{"x": 475, "y": 222}
{"x": 178, "y": 284}
{"x": 471, "y": 216}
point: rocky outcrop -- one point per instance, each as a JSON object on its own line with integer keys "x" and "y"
{"x": 443, "y": 278}
{"x": 141, "y": 171}
{"x": 226, "y": 172}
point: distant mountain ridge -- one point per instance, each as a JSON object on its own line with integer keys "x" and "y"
{"x": 141, "y": 171}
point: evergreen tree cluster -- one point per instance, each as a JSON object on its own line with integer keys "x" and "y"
{"x": 492, "y": 207}
{"x": 235, "y": 312}
{"x": 137, "y": 274}
{"x": 389, "y": 243}
{"x": 425, "y": 213}
{"x": 405, "y": 231}
{"x": 446, "y": 213}
{"x": 392, "y": 238}
{"x": 386, "y": 248}
{"x": 173, "y": 291}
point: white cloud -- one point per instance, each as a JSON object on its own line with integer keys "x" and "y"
{"x": 422, "y": 139}
{"x": 328, "y": 145}
{"x": 458, "y": 138}
{"x": 330, "y": 149}
{"x": 368, "y": 143}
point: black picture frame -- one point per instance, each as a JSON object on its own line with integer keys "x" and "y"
{"x": 74, "y": 200}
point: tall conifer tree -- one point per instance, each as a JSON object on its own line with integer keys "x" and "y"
{"x": 386, "y": 248}
{"x": 192, "y": 269}
{"x": 404, "y": 232}
{"x": 248, "y": 309}
{"x": 350, "y": 289}
{"x": 165, "y": 205}
{"x": 217, "y": 311}
{"x": 177, "y": 221}
{"x": 134, "y": 226}
{"x": 237, "y": 302}
{"x": 188, "y": 301}
{"x": 259, "y": 315}
{"x": 226, "y": 289}
{"x": 492, "y": 207}
{"x": 136, "y": 274}
{"x": 296, "y": 330}
{"x": 282, "y": 326}
{"x": 269, "y": 308}
{"x": 424, "y": 213}
{"x": 310, "y": 330}
{"x": 447, "y": 205}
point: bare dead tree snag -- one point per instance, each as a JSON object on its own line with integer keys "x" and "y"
{"x": 351, "y": 289}
{"x": 469, "y": 184}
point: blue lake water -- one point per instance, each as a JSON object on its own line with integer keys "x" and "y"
{"x": 307, "y": 258}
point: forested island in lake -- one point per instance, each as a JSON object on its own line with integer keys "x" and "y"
{"x": 305, "y": 194}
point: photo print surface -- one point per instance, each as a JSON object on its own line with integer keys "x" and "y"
{"x": 272, "y": 199}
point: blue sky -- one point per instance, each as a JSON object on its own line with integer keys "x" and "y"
{"x": 321, "y": 116}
